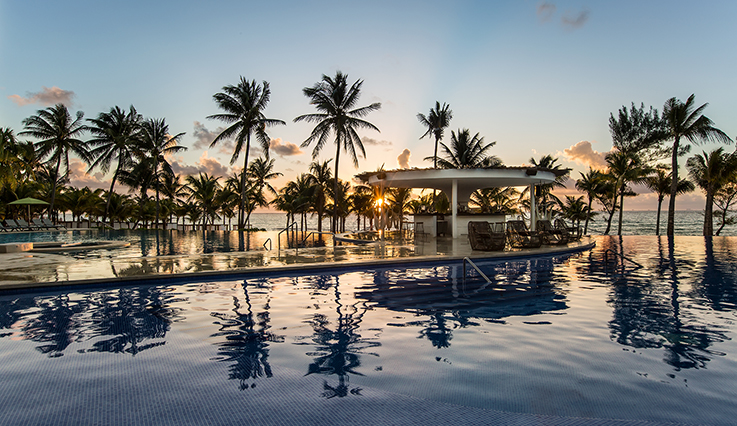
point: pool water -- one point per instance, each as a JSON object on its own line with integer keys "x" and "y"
{"x": 581, "y": 336}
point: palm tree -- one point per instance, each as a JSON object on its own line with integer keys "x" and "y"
{"x": 116, "y": 135}
{"x": 574, "y": 209}
{"x": 399, "y": 199}
{"x": 260, "y": 172}
{"x": 589, "y": 184}
{"x": 711, "y": 171}
{"x": 436, "y": 122}
{"x": 244, "y": 107}
{"x": 202, "y": 191}
{"x": 497, "y": 200}
{"x": 158, "y": 143}
{"x": 58, "y": 133}
{"x": 337, "y": 113}
{"x": 684, "y": 120}
{"x": 320, "y": 177}
{"x": 724, "y": 198}
{"x": 625, "y": 168}
{"x": 544, "y": 193}
{"x": 466, "y": 152}
{"x": 660, "y": 182}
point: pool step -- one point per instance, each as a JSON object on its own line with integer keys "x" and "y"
{"x": 15, "y": 247}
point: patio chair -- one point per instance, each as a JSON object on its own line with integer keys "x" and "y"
{"x": 38, "y": 224}
{"x": 552, "y": 235}
{"x": 520, "y": 237}
{"x": 574, "y": 232}
{"x": 13, "y": 226}
{"x": 25, "y": 225}
{"x": 49, "y": 224}
{"x": 483, "y": 236}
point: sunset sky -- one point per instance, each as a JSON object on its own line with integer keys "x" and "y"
{"x": 536, "y": 77}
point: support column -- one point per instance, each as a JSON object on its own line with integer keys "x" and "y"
{"x": 533, "y": 209}
{"x": 454, "y": 208}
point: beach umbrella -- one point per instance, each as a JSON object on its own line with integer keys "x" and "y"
{"x": 28, "y": 201}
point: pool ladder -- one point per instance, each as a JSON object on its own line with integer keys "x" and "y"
{"x": 473, "y": 265}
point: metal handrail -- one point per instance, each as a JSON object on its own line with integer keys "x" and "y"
{"x": 466, "y": 259}
{"x": 621, "y": 256}
{"x": 278, "y": 236}
{"x": 268, "y": 240}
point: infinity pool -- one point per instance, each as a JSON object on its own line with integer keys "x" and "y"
{"x": 575, "y": 339}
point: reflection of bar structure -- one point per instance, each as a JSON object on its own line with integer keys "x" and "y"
{"x": 458, "y": 185}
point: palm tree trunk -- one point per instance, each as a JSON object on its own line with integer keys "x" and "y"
{"x": 724, "y": 220}
{"x": 55, "y": 179}
{"x": 673, "y": 190}
{"x": 156, "y": 166}
{"x": 110, "y": 195}
{"x": 709, "y": 214}
{"x": 241, "y": 212}
{"x": 621, "y": 209}
{"x": 588, "y": 216}
{"x": 657, "y": 218}
{"x": 334, "y": 227}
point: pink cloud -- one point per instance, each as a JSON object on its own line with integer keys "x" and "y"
{"x": 284, "y": 149}
{"x": 46, "y": 97}
{"x": 403, "y": 159}
{"x": 583, "y": 153}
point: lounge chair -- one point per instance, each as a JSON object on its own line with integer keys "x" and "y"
{"x": 486, "y": 237}
{"x": 25, "y": 225}
{"x": 38, "y": 224}
{"x": 49, "y": 224}
{"x": 14, "y": 226}
{"x": 553, "y": 235}
{"x": 519, "y": 236}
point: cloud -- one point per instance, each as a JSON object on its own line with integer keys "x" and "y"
{"x": 205, "y": 164}
{"x": 583, "y": 153}
{"x": 545, "y": 11}
{"x": 45, "y": 97}
{"x": 78, "y": 177}
{"x": 403, "y": 159}
{"x": 284, "y": 149}
{"x": 375, "y": 142}
{"x": 575, "y": 21}
{"x": 204, "y": 137}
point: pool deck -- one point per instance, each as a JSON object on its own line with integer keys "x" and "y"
{"x": 30, "y": 270}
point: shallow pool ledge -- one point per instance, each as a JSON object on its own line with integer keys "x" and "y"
{"x": 26, "y": 270}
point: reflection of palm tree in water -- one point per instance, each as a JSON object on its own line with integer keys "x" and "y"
{"x": 246, "y": 342}
{"x": 647, "y": 314}
{"x": 338, "y": 350}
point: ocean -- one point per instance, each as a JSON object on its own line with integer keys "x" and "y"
{"x": 688, "y": 222}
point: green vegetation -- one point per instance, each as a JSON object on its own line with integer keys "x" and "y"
{"x": 137, "y": 150}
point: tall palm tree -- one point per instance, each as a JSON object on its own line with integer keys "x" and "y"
{"x": 336, "y": 103}
{"x": 320, "y": 177}
{"x": 660, "y": 183}
{"x": 157, "y": 144}
{"x": 589, "y": 184}
{"x": 466, "y": 152}
{"x": 685, "y": 121}
{"x": 436, "y": 122}
{"x": 243, "y": 107}
{"x": 59, "y": 135}
{"x": 116, "y": 135}
{"x": 711, "y": 171}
